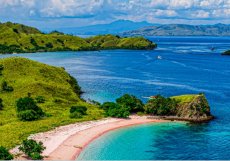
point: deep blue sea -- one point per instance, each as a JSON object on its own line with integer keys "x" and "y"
{"x": 188, "y": 65}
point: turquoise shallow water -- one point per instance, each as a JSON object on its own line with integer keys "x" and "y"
{"x": 187, "y": 66}
{"x": 134, "y": 142}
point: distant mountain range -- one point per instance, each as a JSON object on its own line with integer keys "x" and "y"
{"x": 115, "y": 27}
{"x": 182, "y": 30}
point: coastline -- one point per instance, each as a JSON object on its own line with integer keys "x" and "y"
{"x": 71, "y": 148}
{"x": 67, "y": 142}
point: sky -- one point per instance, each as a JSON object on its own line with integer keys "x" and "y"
{"x": 75, "y": 13}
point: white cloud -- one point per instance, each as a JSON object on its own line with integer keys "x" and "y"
{"x": 201, "y": 14}
{"x": 165, "y": 13}
{"x": 110, "y": 10}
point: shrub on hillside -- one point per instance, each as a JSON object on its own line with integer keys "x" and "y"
{"x": 80, "y": 109}
{"x": 4, "y": 154}
{"x": 73, "y": 82}
{"x": 6, "y": 87}
{"x": 77, "y": 111}
{"x": 1, "y": 104}
{"x": 40, "y": 99}
{"x": 32, "y": 149}
{"x": 161, "y": 106}
{"x": 28, "y": 115}
{"x": 28, "y": 110}
{"x": 76, "y": 115}
{"x": 1, "y": 69}
{"x": 131, "y": 102}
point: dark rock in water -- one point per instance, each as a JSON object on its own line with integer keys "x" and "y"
{"x": 226, "y": 52}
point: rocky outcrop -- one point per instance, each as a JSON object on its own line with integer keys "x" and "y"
{"x": 197, "y": 109}
{"x": 193, "y": 108}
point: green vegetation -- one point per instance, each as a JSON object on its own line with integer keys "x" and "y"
{"x": 161, "y": 106}
{"x": 33, "y": 79}
{"x": 185, "y": 98}
{"x": 77, "y": 111}
{"x": 17, "y": 38}
{"x": 124, "y": 105}
{"x": 43, "y": 95}
{"x": 6, "y": 87}
{"x": 40, "y": 99}
{"x": 226, "y": 52}
{"x": 185, "y": 107}
{"x": 32, "y": 149}
{"x": 28, "y": 110}
{"x": 115, "y": 110}
{"x": 1, "y": 104}
{"x": 131, "y": 102}
{"x": 4, "y": 154}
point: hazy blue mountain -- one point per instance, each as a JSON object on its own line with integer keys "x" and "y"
{"x": 112, "y": 28}
{"x": 182, "y": 30}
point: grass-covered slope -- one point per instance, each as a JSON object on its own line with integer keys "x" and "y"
{"x": 57, "y": 87}
{"x": 226, "y": 52}
{"x": 17, "y": 38}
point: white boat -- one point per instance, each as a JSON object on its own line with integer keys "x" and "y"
{"x": 159, "y": 57}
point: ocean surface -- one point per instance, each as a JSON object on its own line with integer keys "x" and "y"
{"x": 188, "y": 65}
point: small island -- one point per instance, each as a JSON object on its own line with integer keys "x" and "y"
{"x": 18, "y": 38}
{"x": 226, "y": 52}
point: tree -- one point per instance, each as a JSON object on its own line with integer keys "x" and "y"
{"x": 4, "y": 154}
{"x": 28, "y": 110}
{"x": 32, "y": 149}
{"x": 161, "y": 106}
{"x": 131, "y": 102}
{"x": 6, "y": 87}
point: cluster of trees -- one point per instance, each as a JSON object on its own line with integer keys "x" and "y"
{"x": 4, "y": 154}
{"x": 28, "y": 110}
{"x": 128, "y": 104}
{"x": 161, "y": 106}
{"x": 10, "y": 49}
{"x": 30, "y": 147}
{"x": 123, "y": 106}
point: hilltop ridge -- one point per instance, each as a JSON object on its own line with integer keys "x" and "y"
{"x": 18, "y": 38}
{"x": 181, "y": 30}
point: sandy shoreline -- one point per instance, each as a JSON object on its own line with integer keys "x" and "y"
{"x": 67, "y": 142}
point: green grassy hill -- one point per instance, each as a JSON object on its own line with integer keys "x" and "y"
{"x": 17, "y": 38}
{"x": 57, "y": 87}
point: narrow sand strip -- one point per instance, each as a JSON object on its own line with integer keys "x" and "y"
{"x": 66, "y": 143}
